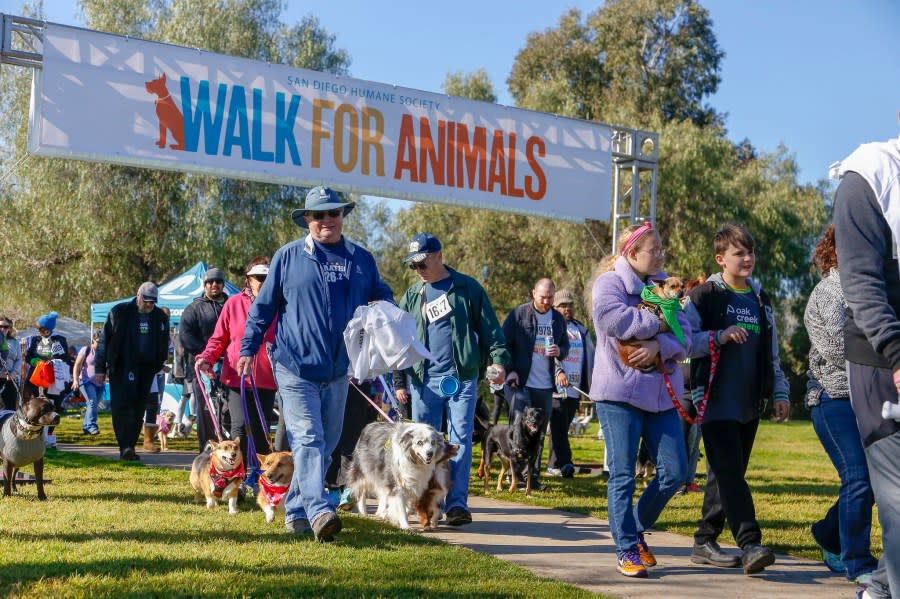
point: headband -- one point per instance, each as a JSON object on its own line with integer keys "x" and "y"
{"x": 647, "y": 226}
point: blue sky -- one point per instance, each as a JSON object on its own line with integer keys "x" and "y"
{"x": 820, "y": 76}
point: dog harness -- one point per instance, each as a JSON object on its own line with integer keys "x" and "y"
{"x": 714, "y": 352}
{"x": 273, "y": 492}
{"x": 221, "y": 479}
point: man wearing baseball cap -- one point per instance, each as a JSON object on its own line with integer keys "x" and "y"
{"x": 314, "y": 285}
{"x": 572, "y": 373}
{"x": 456, "y": 322}
{"x": 133, "y": 348}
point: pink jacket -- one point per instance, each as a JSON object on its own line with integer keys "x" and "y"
{"x": 227, "y": 338}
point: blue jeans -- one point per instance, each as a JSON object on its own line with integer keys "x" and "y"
{"x": 313, "y": 419}
{"x": 623, "y": 426}
{"x": 846, "y": 528}
{"x": 92, "y": 394}
{"x": 428, "y": 407}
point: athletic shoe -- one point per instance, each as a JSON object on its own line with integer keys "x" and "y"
{"x": 647, "y": 557}
{"x": 346, "y": 501}
{"x": 129, "y": 455}
{"x": 457, "y": 516}
{"x": 693, "y": 488}
{"x": 832, "y": 561}
{"x": 629, "y": 564}
{"x": 299, "y": 526}
{"x": 864, "y": 579}
{"x": 554, "y": 472}
{"x": 334, "y": 497}
{"x": 568, "y": 471}
{"x": 325, "y": 526}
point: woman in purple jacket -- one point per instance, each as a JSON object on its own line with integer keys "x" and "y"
{"x": 632, "y": 404}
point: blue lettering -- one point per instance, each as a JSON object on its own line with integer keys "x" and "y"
{"x": 284, "y": 128}
{"x": 237, "y": 119}
{"x": 258, "y": 153}
{"x": 193, "y": 119}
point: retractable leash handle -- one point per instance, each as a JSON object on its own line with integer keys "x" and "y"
{"x": 391, "y": 397}
{"x": 208, "y": 402}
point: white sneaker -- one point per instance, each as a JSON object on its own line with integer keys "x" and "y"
{"x": 554, "y": 472}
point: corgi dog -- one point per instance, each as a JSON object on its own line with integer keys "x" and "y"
{"x": 164, "y": 425}
{"x": 277, "y": 471}
{"x": 170, "y": 118}
{"x": 218, "y": 472}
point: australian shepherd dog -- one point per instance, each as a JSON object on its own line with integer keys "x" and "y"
{"x": 402, "y": 465}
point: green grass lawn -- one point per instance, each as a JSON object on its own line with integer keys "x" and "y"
{"x": 113, "y": 529}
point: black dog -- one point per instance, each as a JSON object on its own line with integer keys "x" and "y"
{"x": 21, "y": 442}
{"x": 516, "y": 445}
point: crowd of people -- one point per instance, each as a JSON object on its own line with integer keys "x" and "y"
{"x": 701, "y": 366}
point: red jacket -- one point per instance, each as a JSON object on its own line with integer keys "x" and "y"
{"x": 227, "y": 338}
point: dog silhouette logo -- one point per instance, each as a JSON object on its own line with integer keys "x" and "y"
{"x": 170, "y": 118}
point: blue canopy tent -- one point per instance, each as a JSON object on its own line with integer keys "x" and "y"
{"x": 175, "y": 294}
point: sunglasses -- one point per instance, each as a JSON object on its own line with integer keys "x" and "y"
{"x": 4, "y": 326}
{"x": 418, "y": 265}
{"x": 332, "y": 213}
{"x": 259, "y": 278}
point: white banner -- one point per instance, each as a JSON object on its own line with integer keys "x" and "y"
{"x": 108, "y": 98}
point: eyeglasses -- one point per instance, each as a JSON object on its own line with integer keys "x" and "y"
{"x": 657, "y": 253}
{"x": 418, "y": 265}
{"x": 4, "y": 326}
{"x": 332, "y": 213}
{"x": 215, "y": 282}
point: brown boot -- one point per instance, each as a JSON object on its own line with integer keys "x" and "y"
{"x": 149, "y": 433}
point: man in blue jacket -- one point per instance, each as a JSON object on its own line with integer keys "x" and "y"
{"x": 456, "y": 322}
{"x": 313, "y": 287}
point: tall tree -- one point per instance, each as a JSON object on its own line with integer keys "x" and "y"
{"x": 80, "y": 233}
{"x": 637, "y": 58}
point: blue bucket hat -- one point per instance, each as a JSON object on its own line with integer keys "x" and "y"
{"x": 320, "y": 199}
{"x": 421, "y": 245}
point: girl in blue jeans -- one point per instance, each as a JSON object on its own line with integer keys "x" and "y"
{"x": 83, "y": 378}
{"x": 844, "y": 534}
{"x": 633, "y": 404}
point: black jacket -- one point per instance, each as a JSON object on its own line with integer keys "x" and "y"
{"x": 520, "y": 330}
{"x": 198, "y": 322}
{"x": 117, "y": 345}
{"x": 711, "y": 301}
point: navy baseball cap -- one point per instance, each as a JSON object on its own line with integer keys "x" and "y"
{"x": 421, "y": 245}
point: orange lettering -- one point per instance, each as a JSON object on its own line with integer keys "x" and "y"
{"x": 535, "y": 194}
{"x": 498, "y": 164}
{"x": 427, "y": 155}
{"x": 318, "y": 133}
{"x": 406, "y": 150}
{"x": 471, "y": 156}
{"x": 516, "y": 192}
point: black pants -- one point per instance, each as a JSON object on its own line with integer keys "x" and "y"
{"x": 564, "y": 409}
{"x": 728, "y": 445}
{"x": 260, "y": 429}
{"x": 358, "y": 412}
{"x": 206, "y": 431}
{"x": 128, "y": 396}
{"x": 8, "y": 393}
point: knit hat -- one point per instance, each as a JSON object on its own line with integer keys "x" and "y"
{"x": 563, "y": 296}
{"x": 48, "y": 321}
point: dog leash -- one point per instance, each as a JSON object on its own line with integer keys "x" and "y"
{"x": 208, "y": 401}
{"x": 372, "y": 402}
{"x": 714, "y": 353}
{"x": 248, "y": 427}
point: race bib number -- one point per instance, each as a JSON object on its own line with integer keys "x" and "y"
{"x": 437, "y": 309}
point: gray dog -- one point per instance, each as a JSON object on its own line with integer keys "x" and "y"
{"x": 21, "y": 442}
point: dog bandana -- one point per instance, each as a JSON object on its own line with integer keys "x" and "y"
{"x": 669, "y": 307}
{"x": 222, "y": 479}
{"x": 273, "y": 492}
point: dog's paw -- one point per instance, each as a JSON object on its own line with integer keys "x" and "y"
{"x": 210, "y": 503}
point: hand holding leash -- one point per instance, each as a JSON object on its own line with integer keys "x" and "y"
{"x": 402, "y": 395}
{"x": 204, "y": 366}
{"x": 512, "y": 379}
{"x": 245, "y": 365}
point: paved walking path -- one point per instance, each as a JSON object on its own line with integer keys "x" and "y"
{"x": 579, "y": 550}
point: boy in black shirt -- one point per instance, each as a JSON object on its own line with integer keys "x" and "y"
{"x": 733, "y": 325}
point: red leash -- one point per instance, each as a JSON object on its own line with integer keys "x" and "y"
{"x": 714, "y": 353}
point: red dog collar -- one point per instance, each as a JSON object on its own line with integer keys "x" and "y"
{"x": 274, "y": 493}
